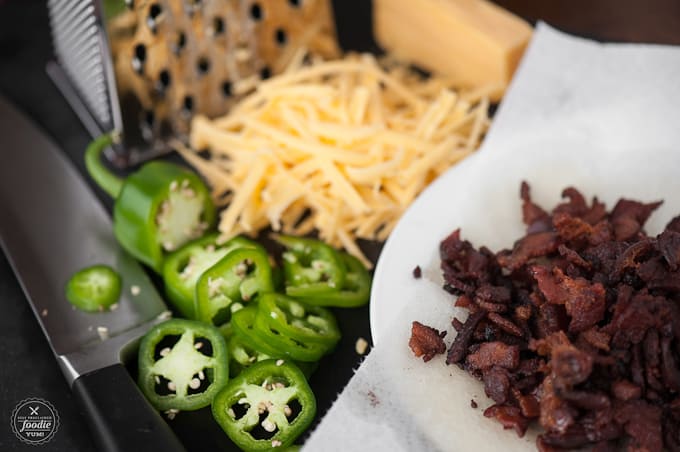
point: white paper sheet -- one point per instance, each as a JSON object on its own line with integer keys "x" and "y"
{"x": 602, "y": 117}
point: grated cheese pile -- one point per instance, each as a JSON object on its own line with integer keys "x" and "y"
{"x": 341, "y": 147}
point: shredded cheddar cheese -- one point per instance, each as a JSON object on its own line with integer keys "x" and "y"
{"x": 341, "y": 147}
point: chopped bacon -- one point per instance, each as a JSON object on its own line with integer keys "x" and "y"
{"x": 573, "y": 257}
{"x": 628, "y": 216}
{"x": 571, "y": 228}
{"x": 463, "y": 338}
{"x": 510, "y": 417}
{"x": 533, "y": 245}
{"x": 669, "y": 245}
{"x": 536, "y": 219}
{"x": 426, "y": 341}
{"x": 506, "y": 325}
{"x": 497, "y": 384}
{"x": 576, "y": 327}
{"x": 584, "y": 302}
{"x": 570, "y": 365}
{"x": 625, "y": 390}
{"x": 642, "y": 422}
{"x": 492, "y": 354}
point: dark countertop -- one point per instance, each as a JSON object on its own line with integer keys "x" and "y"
{"x": 28, "y": 368}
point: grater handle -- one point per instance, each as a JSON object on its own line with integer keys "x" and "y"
{"x": 119, "y": 416}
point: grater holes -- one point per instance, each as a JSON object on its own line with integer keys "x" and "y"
{"x": 154, "y": 17}
{"x": 218, "y": 25}
{"x": 149, "y": 118}
{"x": 180, "y": 43}
{"x": 164, "y": 79}
{"x": 280, "y": 37}
{"x": 139, "y": 58}
{"x": 227, "y": 88}
{"x": 188, "y": 105}
{"x": 256, "y": 12}
{"x": 193, "y": 6}
{"x": 203, "y": 66}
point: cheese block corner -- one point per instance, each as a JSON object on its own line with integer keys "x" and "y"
{"x": 475, "y": 42}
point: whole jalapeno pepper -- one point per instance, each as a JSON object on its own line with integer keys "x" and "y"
{"x": 157, "y": 209}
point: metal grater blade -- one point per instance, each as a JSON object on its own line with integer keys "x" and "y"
{"x": 81, "y": 49}
{"x": 145, "y": 68}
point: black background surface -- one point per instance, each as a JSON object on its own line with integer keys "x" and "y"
{"x": 27, "y": 367}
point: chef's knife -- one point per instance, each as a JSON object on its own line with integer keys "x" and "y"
{"x": 51, "y": 225}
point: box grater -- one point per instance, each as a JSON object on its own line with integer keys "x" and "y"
{"x": 143, "y": 68}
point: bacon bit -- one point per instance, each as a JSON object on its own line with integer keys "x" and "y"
{"x": 533, "y": 245}
{"x": 505, "y": 324}
{"x": 625, "y": 390}
{"x": 460, "y": 343}
{"x": 473, "y": 404}
{"x": 510, "y": 417}
{"x": 426, "y": 341}
{"x": 492, "y": 354}
{"x": 417, "y": 272}
{"x": 570, "y": 365}
{"x": 529, "y": 406}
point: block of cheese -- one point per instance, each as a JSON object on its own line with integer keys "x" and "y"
{"x": 475, "y": 42}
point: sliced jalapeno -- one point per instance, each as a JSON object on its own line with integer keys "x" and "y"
{"x": 297, "y": 320}
{"x": 233, "y": 281}
{"x": 182, "y": 364}
{"x": 94, "y": 288}
{"x": 242, "y": 355}
{"x": 271, "y": 342}
{"x": 354, "y": 293}
{"x": 267, "y": 406}
{"x": 182, "y": 268}
{"x": 311, "y": 268}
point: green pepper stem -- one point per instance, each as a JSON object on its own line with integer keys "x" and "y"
{"x": 106, "y": 180}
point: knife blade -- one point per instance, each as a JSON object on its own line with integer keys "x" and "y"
{"x": 51, "y": 226}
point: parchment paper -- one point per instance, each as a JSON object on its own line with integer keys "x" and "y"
{"x": 602, "y": 117}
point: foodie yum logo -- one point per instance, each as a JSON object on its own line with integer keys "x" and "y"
{"x": 35, "y": 421}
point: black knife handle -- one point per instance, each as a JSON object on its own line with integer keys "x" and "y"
{"x": 119, "y": 416}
